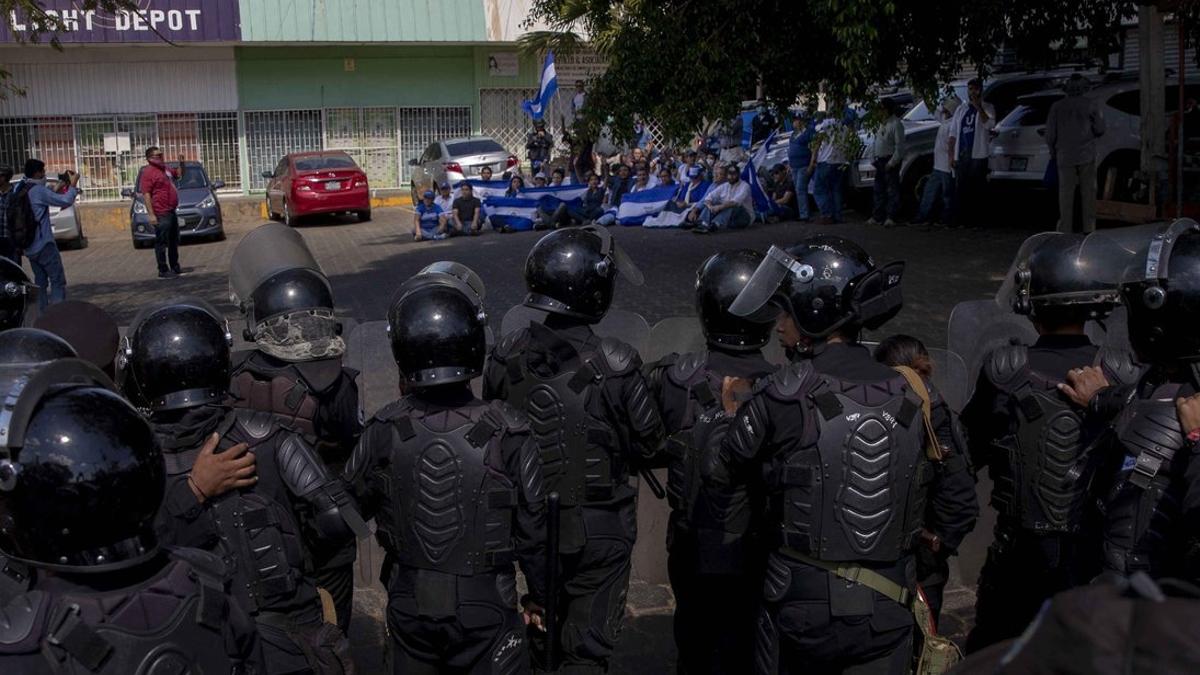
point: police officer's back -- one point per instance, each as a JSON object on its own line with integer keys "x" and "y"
{"x": 178, "y": 363}
{"x": 81, "y": 477}
{"x": 454, "y": 485}
{"x": 840, "y": 444}
{"x": 1030, "y": 436}
{"x": 14, "y": 294}
{"x": 593, "y": 420}
{"x": 713, "y": 558}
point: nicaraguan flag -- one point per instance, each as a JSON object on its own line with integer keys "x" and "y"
{"x": 762, "y": 203}
{"x": 515, "y": 213}
{"x": 536, "y": 108}
{"x": 552, "y": 194}
{"x": 482, "y": 189}
{"x": 637, "y": 206}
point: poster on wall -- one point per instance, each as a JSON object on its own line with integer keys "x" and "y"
{"x": 153, "y": 21}
{"x": 503, "y": 64}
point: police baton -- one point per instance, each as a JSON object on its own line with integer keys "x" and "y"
{"x": 653, "y": 483}
{"x": 553, "y": 513}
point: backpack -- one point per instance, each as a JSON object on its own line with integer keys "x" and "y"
{"x": 22, "y": 226}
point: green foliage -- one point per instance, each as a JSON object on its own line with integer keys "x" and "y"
{"x": 682, "y": 62}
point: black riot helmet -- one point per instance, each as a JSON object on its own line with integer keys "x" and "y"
{"x": 718, "y": 282}
{"x": 32, "y": 345}
{"x": 81, "y": 475}
{"x": 1066, "y": 277}
{"x": 826, "y": 284}
{"x": 176, "y": 355}
{"x": 454, "y": 270}
{"x": 438, "y": 333}
{"x": 573, "y": 271}
{"x": 14, "y": 291}
{"x": 1161, "y": 290}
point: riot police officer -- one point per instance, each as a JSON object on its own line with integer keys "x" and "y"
{"x": 593, "y": 420}
{"x": 81, "y": 478}
{"x": 1030, "y": 434}
{"x": 713, "y": 558}
{"x": 846, "y": 463}
{"x": 14, "y": 293}
{"x": 31, "y": 345}
{"x": 239, "y": 484}
{"x": 455, "y": 487}
{"x": 295, "y": 371}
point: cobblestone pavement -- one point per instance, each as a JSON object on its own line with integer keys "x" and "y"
{"x": 366, "y": 261}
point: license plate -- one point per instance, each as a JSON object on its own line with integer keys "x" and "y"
{"x": 1018, "y": 163}
{"x": 333, "y": 185}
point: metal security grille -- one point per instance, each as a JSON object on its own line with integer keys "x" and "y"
{"x": 208, "y": 138}
{"x": 418, "y": 127}
{"x": 501, "y": 117}
{"x": 272, "y": 134}
{"x": 369, "y": 136}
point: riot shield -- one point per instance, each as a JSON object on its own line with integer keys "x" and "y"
{"x": 1010, "y": 287}
{"x": 265, "y": 251}
{"x": 621, "y": 324}
{"x": 950, "y": 376}
{"x": 369, "y": 351}
{"x": 979, "y": 327}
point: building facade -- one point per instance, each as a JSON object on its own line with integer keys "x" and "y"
{"x": 237, "y": 84}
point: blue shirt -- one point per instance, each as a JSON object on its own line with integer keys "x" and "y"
{"x": 800, "y": 147}
{"x": 430, "y": 216}
{"x": 966, "y": 132}
{"x": 41, "y": 198}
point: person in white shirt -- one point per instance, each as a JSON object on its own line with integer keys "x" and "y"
{"x": 577, "y": 101}
{"x": 728, "y": 205}
{"x": 444, "y": 201}
{"x": 968, "y": 145}
{"x": 829, "y": 164}
{"x": 941, "y": 182}
{"x": 887, "y": 154}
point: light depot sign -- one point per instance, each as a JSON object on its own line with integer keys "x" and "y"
{"x": 153, "y": 21}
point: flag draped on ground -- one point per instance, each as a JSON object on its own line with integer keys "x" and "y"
{"x": 537, "y": 107}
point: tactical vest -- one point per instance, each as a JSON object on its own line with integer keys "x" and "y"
{"x": 287, "y": 393}
{"x": 1035, "y": 485}
{"x": 1143, "y": 516}
{"x": 853, "y": 489}
{"x": 260, "y": 538}
{"x": 82, "y": 633}
{"x": 450, "y": 505}
{"x": 578, "y": 448}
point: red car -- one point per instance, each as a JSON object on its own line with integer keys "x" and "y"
{"x": 309, "y": 183}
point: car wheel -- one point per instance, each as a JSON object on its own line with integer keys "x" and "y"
{"x": 364, "y": 216}
{"x": 413, "y": 189}
{"x": 271, "y": 215}
{"x": 80, "y": 242}
{"x": 288, "y": 219}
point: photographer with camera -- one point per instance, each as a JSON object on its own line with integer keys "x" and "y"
{"x": 28, "y": 220}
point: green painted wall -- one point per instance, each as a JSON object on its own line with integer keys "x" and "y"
{"x": 277, "y": 78}
{"x": 528, "y": 70}
{"x": 363, "y": 20}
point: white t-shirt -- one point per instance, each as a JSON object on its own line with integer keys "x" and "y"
{"x": 731, "y": 192}
{"x": 941, "y": 147}
{"x": 830, "y": 151}
{"x": 444, "y": 202}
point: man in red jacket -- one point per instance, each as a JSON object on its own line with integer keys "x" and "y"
{"x": 157, "y": 187}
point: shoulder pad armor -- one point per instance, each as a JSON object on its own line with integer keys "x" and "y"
{"x": 299, "y": 466}
{"x": 514, "y": 419}
{"x": 787, "y": 381}
{"x": 1119, "y": 365}
{"x": 258, "y": 425}
{"x": 1004, "y": 363}
{"x": 18, "y": 620}
{"x": 391, "y": 411}
{"x": 620, "y": 357}
{"x": 686, "y": 367}
{"x": 510, "y": 344}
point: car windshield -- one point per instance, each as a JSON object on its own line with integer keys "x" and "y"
{"x": 320, "y": 162}
{"x": 920, "y": 112}
{"x": 483, "y": 146}
{"x": 192, "y": 176}
{"x": 1030, "y": 112}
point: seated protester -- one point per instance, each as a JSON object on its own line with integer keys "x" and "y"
{"x": 427, "y": 220}
{"x": 466, "y": 212}
{"x": 693, "y": 216}
{"x": 485, "y": 173}
{"x": 444, "y": 198}
{"x": 783, "y": 194}
{"x": 690, "y": 192}
{"x": 539, "y": 180}
{"x": 591, "y": 206}
{"x": 727, "y": 205}
{"x": 642, "y": 182}
{"x": 618, "y": 186}
{"x": 515, "y": 185}
{"x": 664, "y": 178}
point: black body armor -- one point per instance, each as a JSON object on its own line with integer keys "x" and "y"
{"x": 172, "y": 624}
{"x": 449, "y": 504}
{"x": 1143, "y": 513}
{"x": 853, "y": 489}
{"x": 1035, "y": 487}
{"x": 291, "y": 392}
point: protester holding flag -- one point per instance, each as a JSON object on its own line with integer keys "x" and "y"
{"x": 728, "y": 205}
{"x": 591, "y": 205}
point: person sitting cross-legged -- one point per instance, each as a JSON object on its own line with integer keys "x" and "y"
{"x": 727, "y": 205}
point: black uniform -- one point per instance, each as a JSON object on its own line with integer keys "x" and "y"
{"x": 713, "y": 556}
{"x": 318, "y": 399}
{"x": 593, "y": 420}
{"x": 262, "y": 531}
{"x": 455, "y": 487}
{"x": 1030, "y": 437}
{"x": 840, "y": 444}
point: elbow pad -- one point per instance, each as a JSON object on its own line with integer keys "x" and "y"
{"x": 336, "y": 515}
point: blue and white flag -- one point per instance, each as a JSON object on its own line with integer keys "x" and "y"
{"x": 552, "y": 194}
{"x": 635, "y": 207}
{"x": 482, "y": 189}
{"x": 515, "y": 213}
{"x": 762, "y": 203}
{"x": 673, "y": 219}
{"x": 537, "y": 108}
